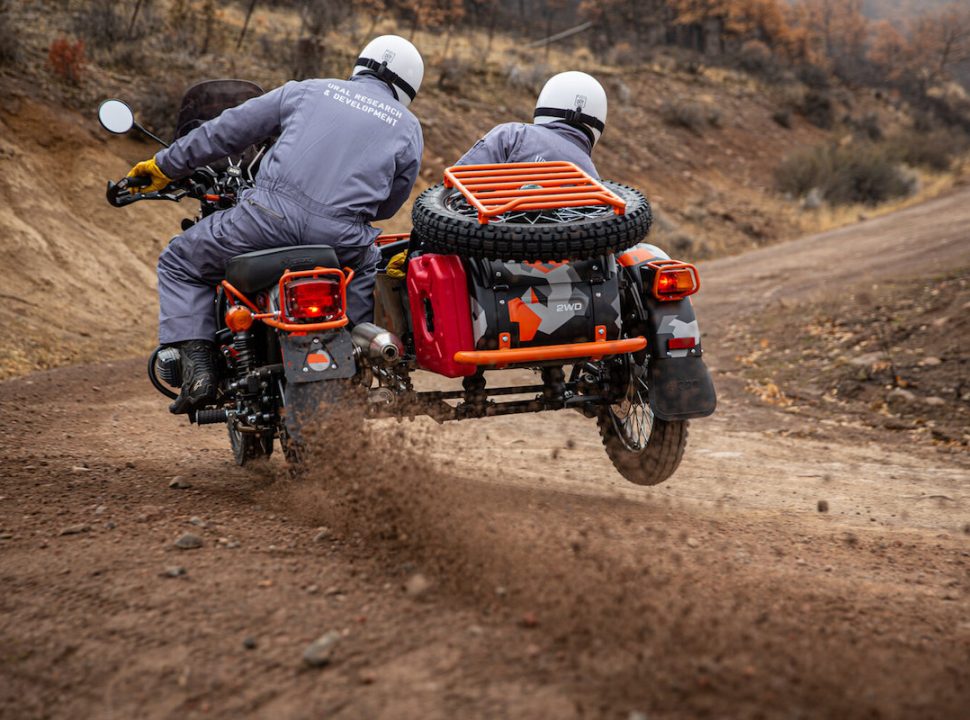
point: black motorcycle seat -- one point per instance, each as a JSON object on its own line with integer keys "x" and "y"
{"x": 258, "y": 270}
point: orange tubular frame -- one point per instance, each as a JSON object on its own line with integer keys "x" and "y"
{"x": 344, "y": 277}
{"x": 391, "y": 238}
{"x": 597, "y": 348}
{"x": 497, "y": 189}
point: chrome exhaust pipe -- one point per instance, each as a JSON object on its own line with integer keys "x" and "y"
{"x": 377, "y": 344}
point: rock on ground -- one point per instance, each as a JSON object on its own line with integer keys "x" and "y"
{"x": 188, "y": 541}
{"x": 320, "y": 651}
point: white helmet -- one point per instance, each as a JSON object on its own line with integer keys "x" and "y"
{"x": 395, "y": 61}
{"x": 575, "y": 97}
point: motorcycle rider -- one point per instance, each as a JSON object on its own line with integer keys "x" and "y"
{"x": 569, "y": 118}
{"x": 347, "y": 153}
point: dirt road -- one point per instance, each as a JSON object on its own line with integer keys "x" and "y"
{"x": 499, "y": 568}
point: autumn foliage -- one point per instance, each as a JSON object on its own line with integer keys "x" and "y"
{"x": 66, "y": 59}
{"x": 835, "y": 36}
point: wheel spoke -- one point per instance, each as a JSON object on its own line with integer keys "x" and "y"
{"x": 632, "y": 416}
{"x": 457, "y": 203}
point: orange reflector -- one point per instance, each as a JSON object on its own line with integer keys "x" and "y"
{"x": 239, "y": 318}
{"x": 673, "y": 280}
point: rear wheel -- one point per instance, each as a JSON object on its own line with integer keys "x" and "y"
{"x": 318, "y": 412}
{"x": 247, "y": 446}
{"x": 644, "y": 449}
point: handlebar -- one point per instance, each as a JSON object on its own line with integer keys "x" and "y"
{"x": 202, "y": 185}
{"x": 119, "y": 194}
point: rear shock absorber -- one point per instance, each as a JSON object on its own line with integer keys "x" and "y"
{"x": 242, "y": 344}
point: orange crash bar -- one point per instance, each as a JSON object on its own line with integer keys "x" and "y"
{"x": 550, "y": 352}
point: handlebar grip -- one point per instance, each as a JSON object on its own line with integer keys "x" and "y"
{"x": 117, "y": 193}
{"x": 112, "y": 193}
{"x": 115, "y": 190}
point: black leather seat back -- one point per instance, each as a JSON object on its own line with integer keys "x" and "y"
{"x": 258, "y": 270}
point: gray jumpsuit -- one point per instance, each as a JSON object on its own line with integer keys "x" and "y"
{"x": 521, "y": 142}
{"x": 347, "y": 153}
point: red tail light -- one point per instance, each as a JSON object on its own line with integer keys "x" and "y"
{"x": 681, "y": 343}
{"x": 313, "y": 299}
{"x": 674, "y": 280}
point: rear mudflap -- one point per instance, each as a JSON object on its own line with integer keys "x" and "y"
{"x": 320, "y": 356}
{"x": 680, "y": 388}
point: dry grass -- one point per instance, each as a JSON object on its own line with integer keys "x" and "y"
{"x": 689, "y": 115}
{"x": 828, "y": 217}
{"x": 854, "y": 173}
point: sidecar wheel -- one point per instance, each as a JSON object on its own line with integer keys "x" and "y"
{"x": 644, "y": 449}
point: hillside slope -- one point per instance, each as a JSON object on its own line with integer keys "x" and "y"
{"x": 77, "y": 275}
{"x": 703, "y": 143}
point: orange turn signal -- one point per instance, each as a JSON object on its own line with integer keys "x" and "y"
{"x": 239, "y": 318}
{"x": 673, "y": 280}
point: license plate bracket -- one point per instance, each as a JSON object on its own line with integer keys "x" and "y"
{"x": 317, "y": 356}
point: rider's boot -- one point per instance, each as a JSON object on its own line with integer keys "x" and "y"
{"x": 198, "y": 376}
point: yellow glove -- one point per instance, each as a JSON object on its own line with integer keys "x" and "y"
{"x": 395, "y": 266}
{"x": 149, "y": 168}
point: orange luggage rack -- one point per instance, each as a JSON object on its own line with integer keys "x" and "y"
{"x": 496, "y": 189}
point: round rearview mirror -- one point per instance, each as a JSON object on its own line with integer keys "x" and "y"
{"x": 116, "y": 117}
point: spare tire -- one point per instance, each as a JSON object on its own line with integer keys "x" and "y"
{"x": 444, "y": 222}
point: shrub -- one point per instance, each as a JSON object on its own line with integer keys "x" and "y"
{"x": 307, "y": 57}
{"x": 623, "y": 54}
{"x": 9, "y": 37}
{"x": 935, "y": 149}
{"x": 856, "y": 173}
{"x": 782, "y": 117}
{"x": 130, "y": 56}
{"x": 67, "y": 60}
{"x": 756, "y": 58}
{"x": 158, "y": 107}
{"x": 690, "y": 115}
{"x": 100, "y": 23}
{"x": 454, "y": 75}
{"x": 814, "y": 77}
{"x": 530, "y": 77}
{"x": 817, "y": 109}
{"x": 869, "y": 127}
{"x": 683, "y": 246}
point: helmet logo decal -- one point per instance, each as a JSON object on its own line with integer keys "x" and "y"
{"x": 388, "y": 56}
{"x": 580, "y": 101}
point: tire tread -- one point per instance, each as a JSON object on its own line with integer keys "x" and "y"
{"x": 657, "y": 462}
{"x": 444, "y": 231}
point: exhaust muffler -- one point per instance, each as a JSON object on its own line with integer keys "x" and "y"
{"x": 377, "y": 344}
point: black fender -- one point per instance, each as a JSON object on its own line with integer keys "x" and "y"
{"x": 680, "y": 384}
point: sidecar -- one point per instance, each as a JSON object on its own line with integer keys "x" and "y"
{"x": 538, "y": 267}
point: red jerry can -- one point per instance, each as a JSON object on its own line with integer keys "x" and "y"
{"x": 440, "y": 313}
